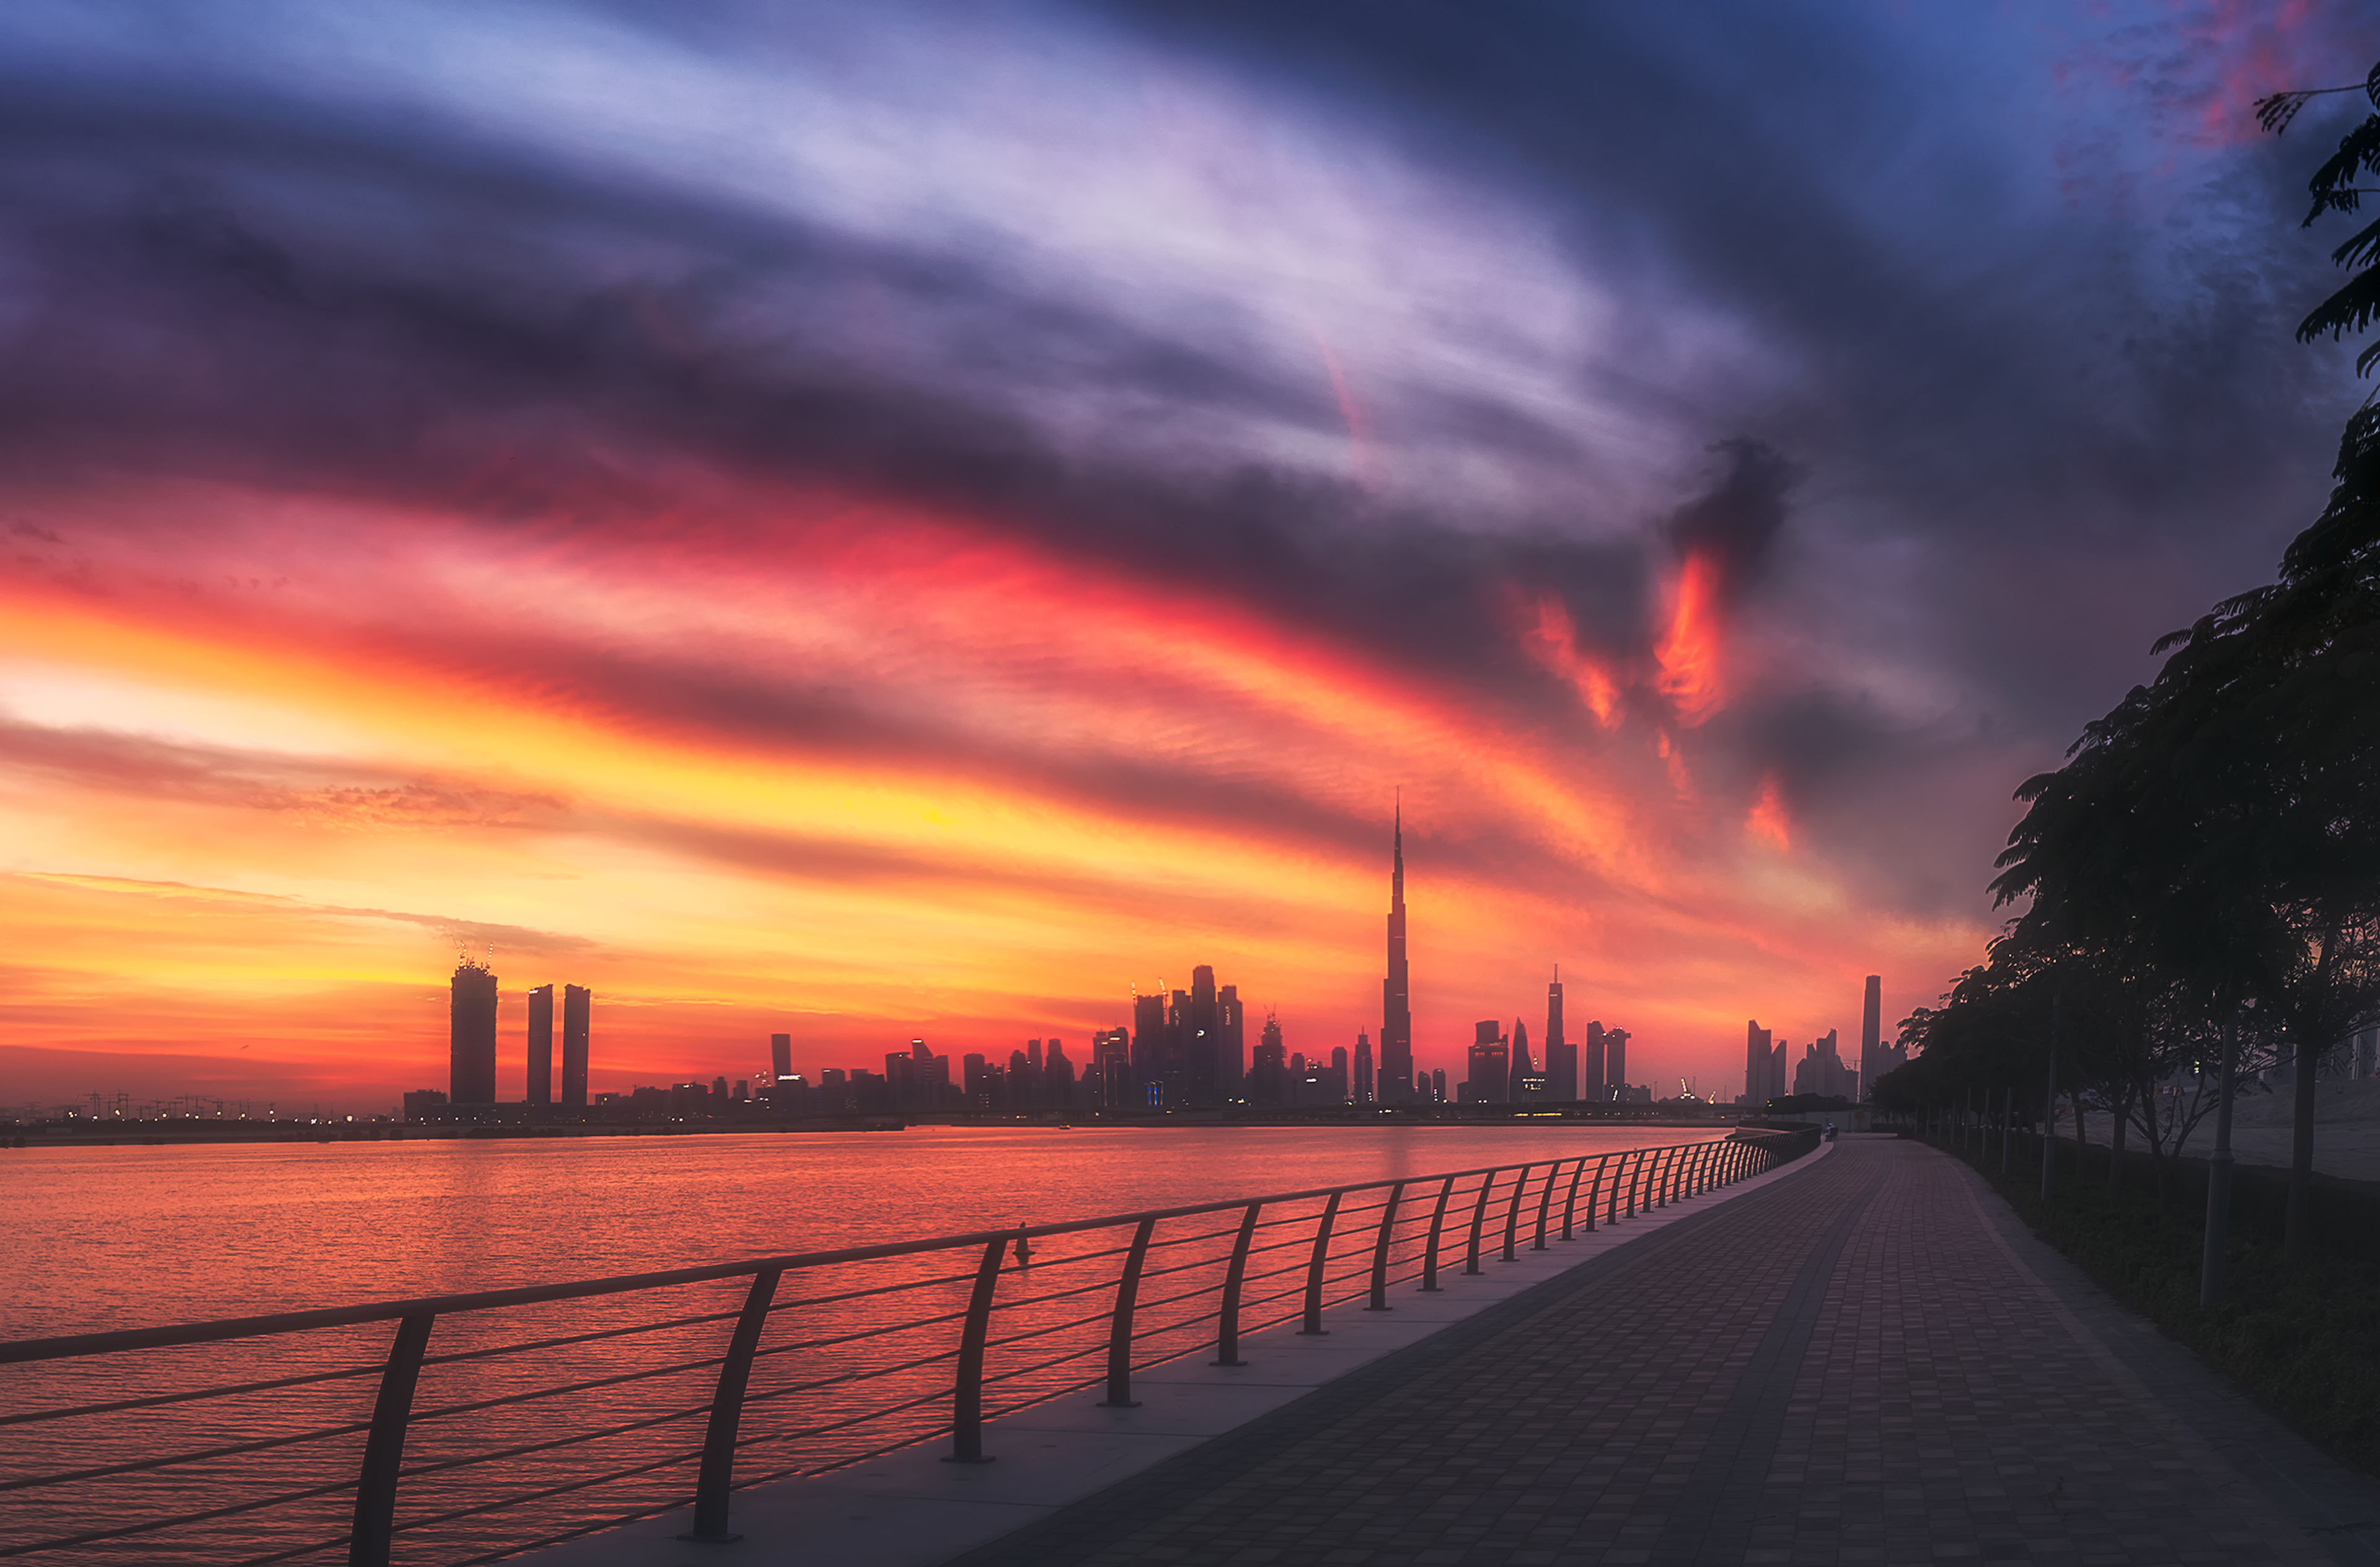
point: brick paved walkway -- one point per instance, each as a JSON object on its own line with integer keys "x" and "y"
{"x": 1866, "y": 1362}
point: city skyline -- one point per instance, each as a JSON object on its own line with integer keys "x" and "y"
{"x": 1186, "y": 1051}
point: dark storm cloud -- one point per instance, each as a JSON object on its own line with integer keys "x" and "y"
{"x": 1735, "y": 525}
{"x": 2002, "y": 366}
{"x": 199, "y": 309}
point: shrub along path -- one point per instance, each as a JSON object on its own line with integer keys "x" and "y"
{"x": 1869, "y": 1362}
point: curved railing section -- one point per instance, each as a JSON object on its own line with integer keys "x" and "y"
{"x": 463, "y": 1429}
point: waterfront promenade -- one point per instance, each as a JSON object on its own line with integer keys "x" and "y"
{"x": 1863, "y": 1358}
{"x": 1869, "y": 1360}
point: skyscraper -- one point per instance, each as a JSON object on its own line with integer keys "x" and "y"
{"x": 1615, "y": 1062}
{"x": 1597, "y": 1083}
{"x": 1111, "y": 1068}
{"x": 1199, "y": 1028}
{"x": 1153, "y": 1052}
{"x": 1758, "y": 1060}
{"x": 1396, "y": 998}
{"x": 1519, "y": 1086}
{"x": 1490, "y": 1065}
{"x": 576, "y": 1002}
{"x": 1871, "y": 1036}
{"x": 540, "y": 1045}
{"x": 1231, "y": 1043}
{"x": 471, "y": 1028}
{"x": 1562, "y": 1056}
{"x": 781, "y": 1055}
{"x": 1364, "y": 1092}
{"x": 1269, "y": 1072}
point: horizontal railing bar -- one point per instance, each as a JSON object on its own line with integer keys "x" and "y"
{"x": 527, "y": 1345}
{"x": 1067, "y": 1326}
{"x": 849, "y": 1376}
{"x": 582, "y": 1532}
{"x": 25, "y": 1350}
{"x": 295, "y": 1551}
{"x": 579, "y": 1440}
{"x": 563, "y": 1489}
{"x": 1010, "y": 1375}
{"x": 678, "y": 1368}
{"x": 231, "y": 1390}
{"x": 840, "y": 1295}
{"x": 877, "y": 1332}
{"x": 154, "y": 1524}
{"x": 1094, "y": 1287}
{"x": 1217, "y": 1260}
{"x": 843, "y": 1463}
{"x": 937, "y": 1396}
{"x": 173, "y": 1460}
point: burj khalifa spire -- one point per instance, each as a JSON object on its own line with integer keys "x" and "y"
{"x": 1396, "y": 1000}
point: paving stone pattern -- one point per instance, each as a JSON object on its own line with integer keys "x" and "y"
{"x": 1859, "y": 1363}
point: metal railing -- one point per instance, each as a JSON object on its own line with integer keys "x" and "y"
{"x": 829, "y": 1358}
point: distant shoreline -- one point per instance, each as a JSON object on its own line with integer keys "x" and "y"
{"x": 181, "y": 1132}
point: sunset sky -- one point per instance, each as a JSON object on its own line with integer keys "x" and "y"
{"x": 920, "y": 518}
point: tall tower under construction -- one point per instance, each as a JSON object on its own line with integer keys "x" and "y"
{"x": 540, "y": 1045}
{"x": 471, "y": 1022}
{"x": 576, "y": 1001}
{"x": 1396, "y": 998}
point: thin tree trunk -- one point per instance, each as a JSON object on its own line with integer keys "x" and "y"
{"x": 2116, "y": 1140}
{"x": 2296, "y": 1243}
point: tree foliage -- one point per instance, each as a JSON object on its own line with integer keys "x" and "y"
{"x": 2208, "y": 857}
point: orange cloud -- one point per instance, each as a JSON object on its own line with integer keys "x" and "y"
{"x": 1549, "y": 637}
{"x": 1688, "y": 654}
{"x": 1768, "y": 822}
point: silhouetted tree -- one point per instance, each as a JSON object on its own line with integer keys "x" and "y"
{"x": 2215, "y": 839}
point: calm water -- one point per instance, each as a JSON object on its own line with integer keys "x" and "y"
{"x": 132, "y": 1237}
{"x": 120, "y": 1237}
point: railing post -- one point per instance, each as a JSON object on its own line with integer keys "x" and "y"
{"x": 967, "y": 1394}
{"x": 367, "y": 1544}
{"x": 1513, "y": 1213}
{"x": 1619, "y": 1179}
{"x": 1545, "y": 1205}
{"x": 1119, "y": 1323}
{"x": 1430, "y": 1252}
{"x": 1379, "y": 1301}
{"x": 1664, "y": 1183}
{"x": 1227, "y": 1323}
{"x": 727, "y": 1412}
{"x": 1570, "y": 1203}
{"x": 1635, "y": 1180}
{"x": 1312, "y": 1328}
{"x": 1479, "y": 1218}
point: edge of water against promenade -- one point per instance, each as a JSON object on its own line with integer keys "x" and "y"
{"x": 909, "y": 1509}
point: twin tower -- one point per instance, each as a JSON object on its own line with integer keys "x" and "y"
{"x": 472, "y": 1062}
